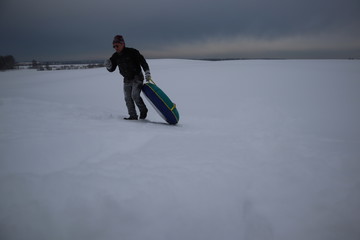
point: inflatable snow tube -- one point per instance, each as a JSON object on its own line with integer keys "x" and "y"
{"x": 161, "y": 102}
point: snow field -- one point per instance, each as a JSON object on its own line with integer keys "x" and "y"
{"x": 263, "y": 150}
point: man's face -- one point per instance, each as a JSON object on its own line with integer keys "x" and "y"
{"x": 118, "y": 47}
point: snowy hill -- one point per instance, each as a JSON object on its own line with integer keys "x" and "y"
{"x": 263, "y": 150}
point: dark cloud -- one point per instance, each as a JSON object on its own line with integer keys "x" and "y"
{"x": 54, "y": 30}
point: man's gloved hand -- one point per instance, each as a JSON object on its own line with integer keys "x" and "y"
{"x": 147, "y": 76}
{"x": 108, "y": 64}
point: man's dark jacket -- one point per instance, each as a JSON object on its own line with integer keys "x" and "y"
{"x": 129, "y": 61}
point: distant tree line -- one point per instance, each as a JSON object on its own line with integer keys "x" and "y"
{"x": 49, "y": 67}
{"x": 7, "y": 62}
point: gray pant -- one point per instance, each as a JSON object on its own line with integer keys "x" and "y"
{"x": 132, "y": 90}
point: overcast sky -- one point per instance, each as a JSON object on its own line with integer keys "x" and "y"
{"x": 48, "y": 30}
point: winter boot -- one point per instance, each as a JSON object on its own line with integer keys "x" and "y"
{"x": 143, "y": 115}
{"x": 131, "y": 118}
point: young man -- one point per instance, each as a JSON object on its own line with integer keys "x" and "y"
{"x": 130, "y": 62}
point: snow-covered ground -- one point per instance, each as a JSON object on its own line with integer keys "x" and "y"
{"x": 264, "y": 149}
